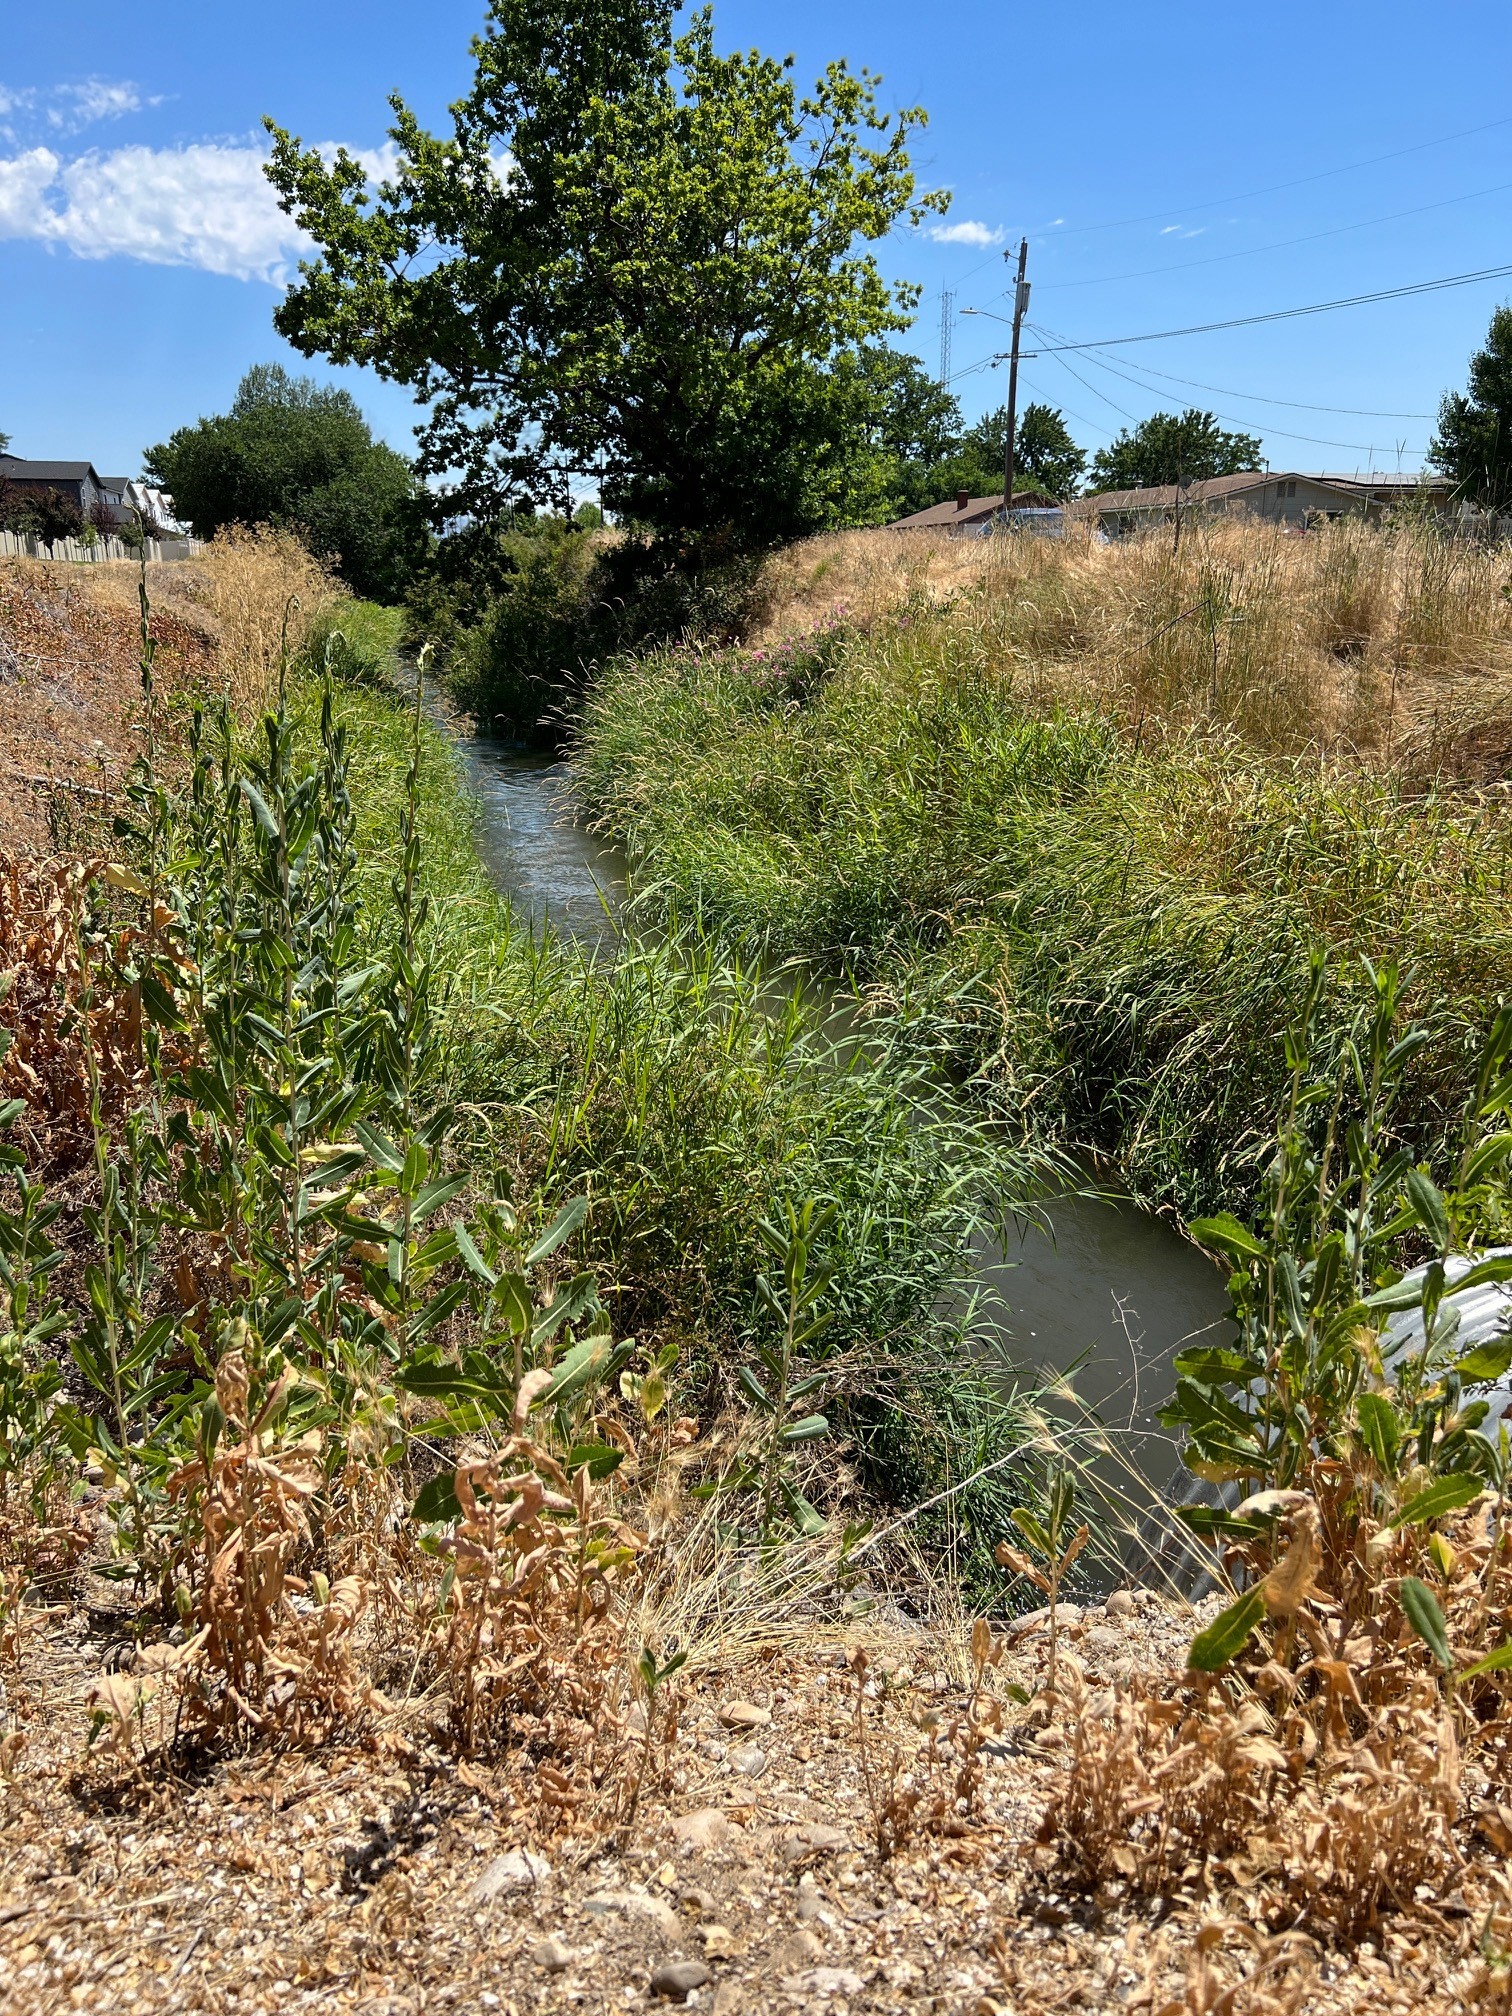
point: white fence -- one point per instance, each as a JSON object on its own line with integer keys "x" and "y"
{"x": 21, "y": 546}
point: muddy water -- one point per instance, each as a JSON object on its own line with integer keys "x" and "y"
{"x": 1101, "y": 1291}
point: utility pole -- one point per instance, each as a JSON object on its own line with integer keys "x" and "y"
{"x": 1020, "y": 309}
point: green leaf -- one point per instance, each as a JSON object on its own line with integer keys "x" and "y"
{"x": 1230, "y": 1631}
{"x": 573, "y": 1299}
{"x": 753, "y": 1388}
{"x": 159, "y": 1002}
{"x": 1494, "y": 1662}
{"x": 1443, "y": 1495}
{"x": 561, "y": 1228}
{"x": 380, "y": 1148}
{"x": 599, "y": 1459}
{"x": 1428, "y": 1205}
{"x": 809, "y": 1521}
{"x": 809, "y": 1429}
{"x": 1380, "y": 1430}
{"x": 1224, "y": 1234}
{"x": 471, "y": 1258}
{"x": 1484, "y": 1362}
{"x": 1420, "y": 1608}
{"x": 434, "y": 1195}
{"x": 436, "y": 1502}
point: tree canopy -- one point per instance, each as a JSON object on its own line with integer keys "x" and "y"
{"x": 294, "y": 453}
{"x": 934, "y": 455}
{"x": 1473, "y": 445}
{"x": 1173, "y": 448}
{"x": 633, "y": 259}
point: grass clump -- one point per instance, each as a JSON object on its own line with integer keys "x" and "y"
{"x": 1108, "y": 930}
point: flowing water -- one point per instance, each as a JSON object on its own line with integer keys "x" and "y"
{"x": 1100, "y": 1291}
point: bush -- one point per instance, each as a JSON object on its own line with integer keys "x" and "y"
{"x": 39, "y": 514}
{"x": 357, "y": 639}
{"x": 300, "y": 457}
{"x": 525, "y": 617}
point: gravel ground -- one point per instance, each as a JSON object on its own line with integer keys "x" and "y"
{"x": 393, "y": 1878}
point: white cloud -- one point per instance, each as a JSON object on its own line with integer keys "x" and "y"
{"x": 68, "y": 108}
{"x": 23, "y": 185}
{"x": 967, "y": 232}
{"x": 82, "y": 104}
{"x": 207, "y": 205}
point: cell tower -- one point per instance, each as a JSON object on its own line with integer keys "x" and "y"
{"x": 947, "y": 323}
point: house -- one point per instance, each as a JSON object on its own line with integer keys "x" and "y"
{"x": 973, "y": 516}
{"x": 75, "y": 480}
{"x": 131, "y": 501}
{"x": 1279, "y": 497}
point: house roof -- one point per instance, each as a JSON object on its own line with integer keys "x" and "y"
{"x": 975, "y": 511}
{"x": 1412, "y": 482}
{"x": 1162, "y": 496}
{"x": 18, "y": 469}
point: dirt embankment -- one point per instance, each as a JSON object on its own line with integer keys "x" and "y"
{"x": 71, "y": 655}
{"x": 791, "y": 1857}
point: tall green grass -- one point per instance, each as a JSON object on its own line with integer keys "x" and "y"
{"x": 689, "y": 1096}
{"x": 1109, "y": 932}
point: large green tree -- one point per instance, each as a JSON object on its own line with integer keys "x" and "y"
{"x": 297, "y": 454}
{"x": 1473, "y": 445}
{"x": 1173, "y": 448}
{"x": 632, "y": 259}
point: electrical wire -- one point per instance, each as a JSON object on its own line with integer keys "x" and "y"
{"x": 1273, "y": 315}
{"x": 1280, "y": 245}
{"x": 1239, "y": 420}
{"x": 1298, "y": 182}
{"x": 1299, "y": 405}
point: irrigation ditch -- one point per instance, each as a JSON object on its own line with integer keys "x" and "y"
{"x": 1091, "y": 1292}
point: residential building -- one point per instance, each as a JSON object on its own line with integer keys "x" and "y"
{"x": 974, "y": 515}
{"x": 76, "y": 480}
{"x": 1280, "y": 497}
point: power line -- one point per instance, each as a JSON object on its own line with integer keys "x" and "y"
{"x": 1275, "y": 314}
{"x": 1280, "y": 245}
{"x": 1286, "y": 434}
{"x": 1299, "y": 405}
{"x": 1272, "y": 188}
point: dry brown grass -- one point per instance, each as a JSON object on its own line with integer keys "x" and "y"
{"x": 256, "y": 582}
{"x": 1393, "y": 644}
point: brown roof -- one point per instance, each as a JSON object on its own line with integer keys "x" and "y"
{"x": 1162, "y": 496}
{"x": 977, "y": 511}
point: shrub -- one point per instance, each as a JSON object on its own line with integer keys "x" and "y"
{"x": 39, "y": 514}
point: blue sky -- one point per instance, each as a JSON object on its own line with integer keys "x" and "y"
{"x": 1171, "y": 164}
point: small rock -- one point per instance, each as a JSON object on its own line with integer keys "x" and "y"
{"x": 1066, "y": 1614}
{"x": 729, "y": 1999}
{"x": 801, "y": 1844}
{"x": 749, "y": 1760}
{"x": 676, "y": 1979}
{"x": 799, "y": 1950}
{"x": 744, "y": 1715}
{"x": 824, "y": 1981}
{"x": 1103, "y": 1639}
{"x": 707, "y": 1828}
{"x": 714, "y": 1751}
{"x": 634, "y": 1904}
{"x": 697, "y": 1900}
{"x": 810, "y": 1900}
{"x": 719, "y": 1942}
{"x": 552, "y": 1956}
{"x": 1120, "y": 1604}
{"x": 518, "y": 1870}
